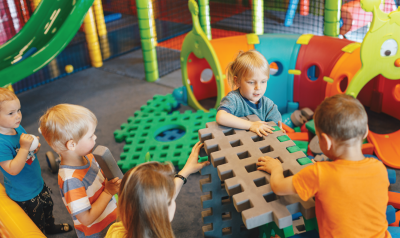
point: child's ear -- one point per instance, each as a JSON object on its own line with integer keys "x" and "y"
{"x": 71, "y": 145}
{"x": 366, "y": 133}
{"x": 236, "y": 82}
{"x": 326, "y": 140}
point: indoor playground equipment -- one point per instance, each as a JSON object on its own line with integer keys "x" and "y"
{"x": 304, "y": 74}
{"x": 48, "y": 31}
{"x": 14, "y": 219}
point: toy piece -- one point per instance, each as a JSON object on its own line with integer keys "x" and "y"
{"x": 35, "y": 143}
{"x": 368, "y": 148}
{"x": 390, "y": 214}
{"x": 297, "y": 118}
{"x": 220, "y": 217}
{"x": 386, "y": 147}
{"x": 392, "y": 176}
{"x": 160, "y": 103}
{"x": 394, "y": 199}
{"x": 311, "y": 126}
{"x": 235, "y": 153}
{"x": 141, "y": 130}
{"x": 397, "y": 221}
{"x": 307, "y": 113}
{"x": 303, "y": 136}
{"x": 394, "y": 231}
{"x": 287, "y": 128}
{"x": 107, "y": 162}
{"x": 314, "y": 146}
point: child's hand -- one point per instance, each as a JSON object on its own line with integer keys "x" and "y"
{"x": 192, "y": 165}
{"x": 112, "y": 186}
{"x": 280, "y": 125}
{"x": 268, "y": 164}
{"x": 25, "y": 141}
{"x": 261, "y": 128}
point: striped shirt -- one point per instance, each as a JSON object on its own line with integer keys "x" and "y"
{"x": 80, "y": 186}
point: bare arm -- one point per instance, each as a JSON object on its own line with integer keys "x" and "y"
{"x": 15, "y": 165}
{"x": 279, "y": 184}
{"x": 98, "y": 207}
{"x": 259, "y": 127}
{"x": 191, "y": 166}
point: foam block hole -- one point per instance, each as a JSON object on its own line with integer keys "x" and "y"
{"x": 257, "y": 138}
{"x": 266, "y": 149}
{"x": 251, "y": 168}
{"x": 226, "y": 216}
{"x": 270, "y": 197}
{"x": 236, "y": 143}
{"x": 260, "y": 181}
{"x": 243, "y": 155}
{"x": 229, "y": 132}
{"x": 244, "y": 205}
{"x": 287, "y": 173}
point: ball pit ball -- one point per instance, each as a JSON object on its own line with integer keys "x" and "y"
{"x": 35, "y": 143}
{"x": 69, "y": 68}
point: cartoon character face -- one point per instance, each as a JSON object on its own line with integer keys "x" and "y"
{"x": 380, "y": 50}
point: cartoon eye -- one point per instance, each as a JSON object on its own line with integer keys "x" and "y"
{"x": 389, "y": 48}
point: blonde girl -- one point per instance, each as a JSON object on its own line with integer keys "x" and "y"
{"x": 146, "y": 204}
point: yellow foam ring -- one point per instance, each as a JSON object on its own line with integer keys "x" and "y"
{"x": 327, "y": 79}
{"x": 304, "y": 39}
{"x": 35, "y": 3}
{"x": 294, "y": 71}
{"x": 92, "y": 39}
{"x": 351, "y": 47}
{"x": 105, "y": 47}
{"x": 99, "y": 15}
{"x": 252, "y": 39}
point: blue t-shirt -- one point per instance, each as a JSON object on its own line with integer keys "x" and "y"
{"x": 235, "y": 104}
{"x": 29, "y": 182}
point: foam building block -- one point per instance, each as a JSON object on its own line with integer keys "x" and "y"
{"x": 140, "y": 135}
{"x": 390, "y": 214}
{"x": 396, "y": 223}
{"x": 394, "y": 231}
{"x": 314, "y": 146}
{"x": 394, "y": 199}
{"x": 107, "y": 162}
{"x": 307, "y": 113}
{"x": 392, "y": 176}
{"x": 297, "y": 118}
{"x": 235, "y": 153}
{"x": 220, "y": 216}
{"x": 311, "y": 126}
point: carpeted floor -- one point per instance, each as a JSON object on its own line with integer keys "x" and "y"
{"x": 113, "y": 93}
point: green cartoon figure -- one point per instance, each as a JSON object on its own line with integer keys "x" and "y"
{"x": 379, "y": 50}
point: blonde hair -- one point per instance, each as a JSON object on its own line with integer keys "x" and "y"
{"x": 342, "y": 117}
{"x": 244, "y": 66}
{"x": 145, "y": 193}
{"x": 65, "y": 122}
{"x": 7, "y": 95}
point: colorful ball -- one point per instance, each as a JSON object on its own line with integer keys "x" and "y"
{"x": 69, "y": 68}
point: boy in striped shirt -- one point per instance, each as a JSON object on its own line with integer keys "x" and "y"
{"x": 88, "y": 196}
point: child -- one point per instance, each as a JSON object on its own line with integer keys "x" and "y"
{"x": 22, "y": 175}
{"x": 249, "y": 73}
{"x": 351, "y": 192}
{"x": 88, "y": 196}
{"x": 146, "y": 204}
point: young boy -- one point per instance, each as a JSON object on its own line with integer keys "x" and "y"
{"x": 88, "y": 196}
{"x": 351, "y": 192}
{"x": 22, "y": 175}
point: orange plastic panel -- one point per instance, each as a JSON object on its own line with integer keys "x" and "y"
{"x": 227, "y": 49}
{"x": 394, "y": 200}
{"x": 387, "y": 147}
{"x": 368, "y": 149}
{"x": 17, "y": 223}
{"x": 343, "y": 72}
{"x": 391, "y": 98}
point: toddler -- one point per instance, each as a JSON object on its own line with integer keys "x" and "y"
{"x": 249, "y": 73}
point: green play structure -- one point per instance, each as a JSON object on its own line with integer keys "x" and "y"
{"x": 49, "y": 30}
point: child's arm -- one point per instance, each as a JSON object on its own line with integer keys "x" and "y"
{"x": 279, "y": 184}
{"x": 191, "y": 166}
{"x": 15, "y": 165}
{"x": 98, "y": 207}
{"x": 259, "y": 127}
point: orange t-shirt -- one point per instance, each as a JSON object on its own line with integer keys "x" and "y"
{"x": 350, "y": 197}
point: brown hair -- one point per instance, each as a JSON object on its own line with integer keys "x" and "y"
{"x": 65, "y": 122}
{"x": 244, "y": 66}
{"x": 6, "y": 95}
{"x": 342, "y": 117}
{"x": 144, "y": 196}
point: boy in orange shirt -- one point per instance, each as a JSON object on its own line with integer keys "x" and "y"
{"x": 351, "y": 192}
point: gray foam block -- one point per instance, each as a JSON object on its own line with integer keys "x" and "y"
{"x": 107, "y": 162}
{"x": 235, "y": 153}
{"x": 220, "y": 217}
{"x": 307, "y": 113}
{"x": 314, "y": 146}
{"x": 297, "y": 118}
{"x": 321, "y": 157}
